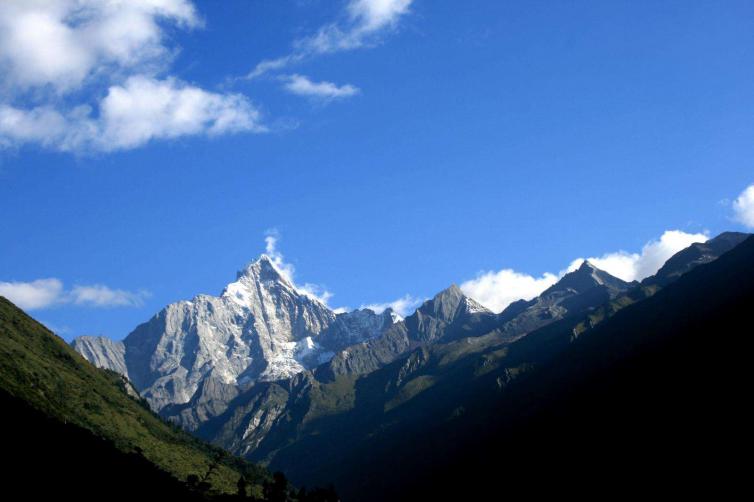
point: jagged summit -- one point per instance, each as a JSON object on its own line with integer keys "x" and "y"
{"x": 445, "y": 304}
{"x": 587, "y": 265}
{"x": 697, "y": 254}
{"x": 263, "y": 268}
{"x": 260, "y": 328}
{"x": 263, "y": 278}
{"x": 586, "y": 277}
{"x": 450, "y": 302}
{"x": 193, "y": 358}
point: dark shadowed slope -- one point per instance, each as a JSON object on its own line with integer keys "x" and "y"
{"x": 650, "y": 401}
{"x": 696, "y": 254}
{"x": 326, "y": 413}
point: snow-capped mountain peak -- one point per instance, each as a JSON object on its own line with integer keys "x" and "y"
{"x": 259, "y": 279}
{"x": 261, "y": 327}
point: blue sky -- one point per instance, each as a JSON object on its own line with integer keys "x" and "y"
{"x": 391, "y": 147}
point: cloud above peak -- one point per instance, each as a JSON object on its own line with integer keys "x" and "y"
{"x": 89, "y": 75}
{"x": 638, "y": 266}
{"x": 314, "y": 291}
{"x": 498, "y": 289}
{"x": 743, "y": 207}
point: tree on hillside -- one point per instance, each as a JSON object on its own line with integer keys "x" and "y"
{"x": 277, "y": 490}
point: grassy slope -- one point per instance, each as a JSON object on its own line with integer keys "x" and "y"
{"x": 41, "y": 370}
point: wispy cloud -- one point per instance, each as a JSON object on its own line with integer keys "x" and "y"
{"x": 402, "y": 306}
{"x": 38, "y": 294}
{"x": 303, "y": 86}
{"x": 362, "y": 24}
{"x": 743, "y": 207}
{"x": 55, "y": 54}
{"x": 46, "y": 293}
{"x": 311, "y": 290}
{"x": 498, "y": 289}
{"x": 99, "y": 295}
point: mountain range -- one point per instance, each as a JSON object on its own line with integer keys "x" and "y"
{"x": 195, "y": 356}
{"x": 267, "y": 372}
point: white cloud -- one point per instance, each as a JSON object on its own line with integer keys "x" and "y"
{"x": 743, "y": 207}
{"x": 45, "y": 293}
{"x": 63, "y": 43}
{"x": 269, "y": 65}
{"x": 271, "y": 250}
{"x": 361, "y": 25}
{"x": 144, "y": 109}
{"x": 37, "y": 294}
{"x": 84, "y": 75}
{"x": 638, "y": 266}
{"x": 373, "y": 15}
{"x": 303, "y": 86}
{"x": 402, "y": 306}
{"x": 498, "y": 289}
{"x": 102, "y": 296}
{"x": 314, "y": 291}
{"x": 365, "y": 19}
{"x": 131, "y": 115}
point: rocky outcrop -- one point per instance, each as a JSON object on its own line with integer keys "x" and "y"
{"x": 103, "y": 352}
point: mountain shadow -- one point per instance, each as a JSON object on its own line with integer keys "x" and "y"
{"x": 649, "y": 401}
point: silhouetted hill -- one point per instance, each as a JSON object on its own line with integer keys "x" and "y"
{"x": 648, "y": 402}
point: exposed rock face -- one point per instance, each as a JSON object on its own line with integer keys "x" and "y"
{"x": 451, "y": 315}
{"x": 355, "y": 327}
{"x": 194, "y": 356}
{"x": 447, "y": 316}
{"x": 260, "y": 328}
{"x": 575, "y": 292}
{"x": 264, "y": 408}
{"x": 377, "y": 376}
{"x": 102, "y": 352}
{"x": 247, "y": 369}
{"x": 267, "y": 416}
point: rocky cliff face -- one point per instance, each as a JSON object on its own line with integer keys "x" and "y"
{"x": 102, "y": 352}
{"x": 447, "y": 316}
{"x": 194, "y": 356}
{"x": 258, "y": 367}
{"x": 267, "y": 415}
{"x": 580, "y": 290}
{"x": 260, "y": 328}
